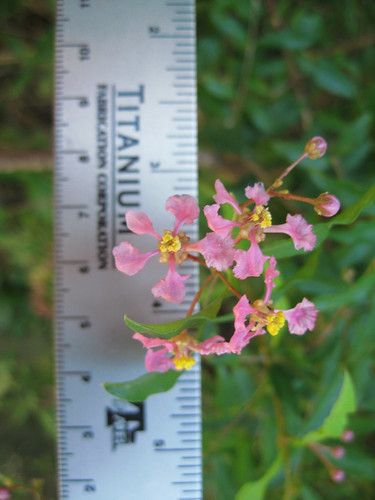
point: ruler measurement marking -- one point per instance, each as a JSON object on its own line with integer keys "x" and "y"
{"x": 181, "y": 36}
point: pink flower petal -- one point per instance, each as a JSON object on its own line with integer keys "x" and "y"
{"x": 217, "y": 252}
{"x": 130, "y": 260}
{"x": 158, "y": 361}
{"x": 216, "y": 222}
{"x": 171, "y": 288}
{"x": 222, "y": 196}
{"x": 213, "y": 345}
{"x": 139, "y": 223}
{"x": 271, "y": 274}
{"x": 257, "y": 193}
{"x": 298, "y": 229}
{"x": 249, "y": 262}
{"x": 185, "y": 209}
{"x": 150, "y": 342}
{"x": 242, "y": 333}
{"x": 302, "y": 317}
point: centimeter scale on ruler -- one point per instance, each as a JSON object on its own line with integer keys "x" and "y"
{"x": 125, "y": 135}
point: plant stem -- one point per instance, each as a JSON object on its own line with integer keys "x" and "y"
{"x": 197, "y": 296}
{"x": 289, "y": 196}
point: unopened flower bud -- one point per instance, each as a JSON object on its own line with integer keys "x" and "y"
{"x": 347, "y": 436}
{"x": 326, "y": 205}
{"x": 316, "y": 148}
{"x": 4, "y": 494}
{"x": 337, "y": 475}
{"x": 338, "y": 452}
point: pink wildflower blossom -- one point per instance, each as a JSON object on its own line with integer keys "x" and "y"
{"x": 302, "y": 317}
{"x": 177, "y": 353}
{"x": 263, "y": 317}
{"x": 4, "y": 494}
{"x": 172, "y": 246}
{"x": 298, "y": 229}
{"x": 252, "y": 224}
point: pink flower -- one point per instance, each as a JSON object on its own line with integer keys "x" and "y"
{"x": 257, "y": 193}
{"x": 172, "y": 246}
{"x": 222, "y": 196}
{"x": 217, "y": 223}
{"x": 327, "y": 205}
{"x": 271, "y": 274}
{"x": 243, "y": 328}
{"x": 249, "y": 262}
{"x": 253, "y": 224}
{"x": 260, "y": 316}
{"x": 177, "y": 353}
{"x": 218, "y": 252}
{"x": 298, "y": 229}
{"x": 4, "y": 494}
{"x": 302, "y": 317}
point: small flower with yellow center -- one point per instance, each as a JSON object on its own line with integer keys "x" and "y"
{"x": 262, "y": 216}
{"x": 183, "y": 362}
{"x": 169, "y": 243}
{"x": 275, "y": 321}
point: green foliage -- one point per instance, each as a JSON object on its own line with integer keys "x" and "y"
{"x": 142, "y": 387}
{"x": 255, "y": 490}
{"x": 172, "y": 328}
{"x": 337, "y": 420}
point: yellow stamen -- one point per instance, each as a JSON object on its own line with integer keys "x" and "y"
{"x": 275, "y": 321}
{"x": 169, "y": 243}
{"x": 183, "y": 362}
{"x": 261, "y": 215}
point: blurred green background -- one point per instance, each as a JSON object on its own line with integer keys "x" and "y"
{"x": 271, "y": 74}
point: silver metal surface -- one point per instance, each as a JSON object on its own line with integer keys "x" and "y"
{"x": 125, "y": 138}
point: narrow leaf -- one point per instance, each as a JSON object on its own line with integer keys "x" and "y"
{"x": 336, "y": 421}
{"x": 168, "y": 330}
{"x": 140, "y": 388}
{"x": 255, "y": 490}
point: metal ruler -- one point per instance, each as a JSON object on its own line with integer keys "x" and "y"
{"x": 125, "y": 139}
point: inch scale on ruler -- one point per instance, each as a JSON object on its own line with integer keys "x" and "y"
{"x": 125, "y": 139}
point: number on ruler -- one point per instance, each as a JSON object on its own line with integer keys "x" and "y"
{"x": 84, "y": 3}
{"x": 90, "y": 488}
{"x": 82, "y": 214}
{"x": 84, "y": 53}
{"x": 84, "y": 269}
{"x": 83, "y": 101}
{"x": 85, "y": 324}
{"x": 159, "y": 443}
{"x": 88, "y": 435}
{"x": 154, "y": 165}
{"x": 154, "y": 30}
{"x": 84, "y": 158}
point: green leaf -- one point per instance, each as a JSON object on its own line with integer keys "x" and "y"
{"x": 140, "y": 388}
{"x": 285, "y": 248}
{"x": 336, "y": 421}
{"x": 255, "y": 490}
{"x": 168, "y": 330}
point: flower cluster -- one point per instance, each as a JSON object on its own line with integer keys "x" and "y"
{"x": 233, "y": 243}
